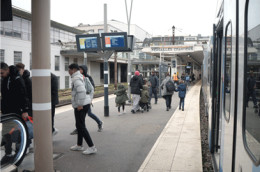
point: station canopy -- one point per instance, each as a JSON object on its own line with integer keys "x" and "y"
{"x": 190, "y": 53}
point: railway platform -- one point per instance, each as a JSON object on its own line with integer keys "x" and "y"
{"x": 157, "y": 140}
{"x": 178, "y": 148}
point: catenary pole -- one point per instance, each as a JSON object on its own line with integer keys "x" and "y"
{"x": 106, "y": 105}
{"x": 128, "y": 55}
{"x": 41, "y": 86}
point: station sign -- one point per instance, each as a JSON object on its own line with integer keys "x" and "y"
{"x": 88, "y": 43}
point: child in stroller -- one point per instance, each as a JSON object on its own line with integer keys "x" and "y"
{"x": 144, "y": 101}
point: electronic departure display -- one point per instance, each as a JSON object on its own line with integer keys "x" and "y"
{"x": 114, "y": 41}
{"x": 88, "y": 43}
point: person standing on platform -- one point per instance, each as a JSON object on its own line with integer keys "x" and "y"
{"x": 168, "y": 89}
{"x": 182, "y": 92}
{"x": 121, "y": 98}
{"x": 81, "y": 104}
{"x": 154, "y": 83}
{"x": 28, "y": 84}
{"x": 175, "y": 78}
{"x": 54, "y": 100}
{"x": 136, "y": 86}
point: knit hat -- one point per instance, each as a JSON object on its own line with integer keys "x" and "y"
{"x": 137, "y": 73}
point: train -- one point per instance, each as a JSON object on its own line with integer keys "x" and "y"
{"x": 231, "y": 87}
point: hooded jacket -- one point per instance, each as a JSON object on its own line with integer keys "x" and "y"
{"x": 182, "y": 90}
{"x": 144, "y": 95}
{"x": 28, "y": 85}
{"x": 163, "y": 86}
{"x": 14, "y": 96}
{"x": 121, "y": 95}
{"x": 85, "y": 73}
{"x": 54, "y": 90}
{"x": 78, "y": 93}
{"x": 136, "y": 85}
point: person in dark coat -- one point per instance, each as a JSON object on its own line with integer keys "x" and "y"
{"x": 54, "y": 100}
{"x": 84, "y": 72}
{"x": 182, "y": 93}
{"x": 13, "y": 100}
{"x": 121, "y": 97}
{"x": 28, "y": 83}
{"x": 13, "y": 91}
{"x": 251, "y": 86}
{"x": 136, "y": 86}
{"x": 144, "y": 98}
{"x": 154, "y": 83}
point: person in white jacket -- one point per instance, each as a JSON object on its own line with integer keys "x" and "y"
{"x": 81, "y": 103}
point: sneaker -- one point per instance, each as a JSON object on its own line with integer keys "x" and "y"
{"x": 100, "y": 126}
{"x": 7, "y": 159}
{"x": 74, "y": 132}
{"x": 155, "y": 102}
{"x": 132, "y": 111}
{"x": 76, "y": 148}
{"x": 90, "y": 150}
{"x": 167, "y": 109}
{"x": 55, "y": 132}
{"x": 124, "y": 111}
{"x": 182, "y": 109}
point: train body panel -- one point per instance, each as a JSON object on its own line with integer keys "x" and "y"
{"x": 231, "y": 87}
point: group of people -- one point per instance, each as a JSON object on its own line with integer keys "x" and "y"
{"x": 142, "y": 91}
{"x": 16, "y": 97}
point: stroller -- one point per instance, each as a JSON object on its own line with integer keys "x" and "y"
{"x": 144, "y": 101}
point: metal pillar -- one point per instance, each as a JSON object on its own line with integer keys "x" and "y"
{"x": 85, "y": 61}
{"x": 115, "y": 69}
{"x": 128, "y": 55}
{"x": 106, "y": 105}
{"x": 43, "y": 152}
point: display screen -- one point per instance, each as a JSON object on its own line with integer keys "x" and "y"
{"x": 115, "y": 41}
{"x": 88, "y": 43}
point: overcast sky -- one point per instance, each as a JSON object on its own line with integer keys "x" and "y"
{"x": 155, "y": 16}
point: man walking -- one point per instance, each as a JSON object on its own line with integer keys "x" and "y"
{"x": 154, "y": 83}
{"x": 81, "y": 103}
{"x": 136, "y": 85}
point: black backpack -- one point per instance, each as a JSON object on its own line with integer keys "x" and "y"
{"x": 170, "y": 86}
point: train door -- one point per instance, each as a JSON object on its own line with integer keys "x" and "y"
{"x": 216, "y": 117}
{"x": 229, "y": 85}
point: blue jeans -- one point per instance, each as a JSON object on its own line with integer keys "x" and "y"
{"x": 93, "y": 116}
{"x": 181, "y": 103}
{"x": 152, "y": 90}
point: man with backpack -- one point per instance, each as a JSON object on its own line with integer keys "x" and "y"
{"x": 90, "y": 88}
{"x": 81, "y": 104}
{"x": 168, "y": 89}
{"x": 154, "y": 83}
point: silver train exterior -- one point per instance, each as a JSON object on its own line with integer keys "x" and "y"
{"x": 231, "y": 87}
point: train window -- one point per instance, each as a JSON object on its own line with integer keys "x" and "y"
{"x": 227, "y": 77}
{"x": 251, "y": 123}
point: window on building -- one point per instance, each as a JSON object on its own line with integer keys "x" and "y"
{"x": 227, "y": 68}
{"x": 75, "y": 60}
{"x": 251, "y": 120}
{"x": 17, "y": 57}
{"x": 2, "y": 55}
{"x": 67, "y": 81}
{"x": 17, "y": 25}
{"x": 57, "y": 63}
{"x": 66, "y": 63}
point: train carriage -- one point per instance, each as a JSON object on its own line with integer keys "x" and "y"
{"x": 231, "y": 87}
